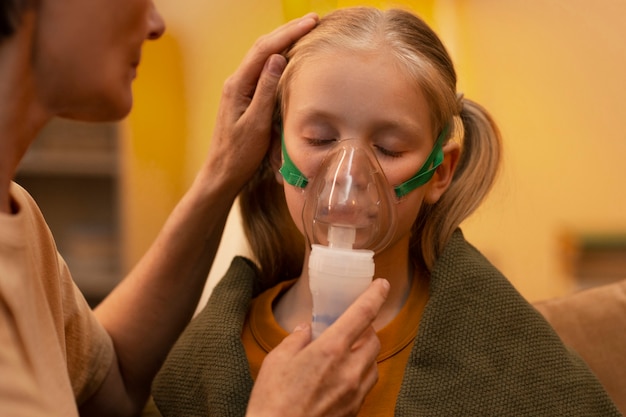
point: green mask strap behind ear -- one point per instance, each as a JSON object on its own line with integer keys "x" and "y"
{"x": 293, "y": 176}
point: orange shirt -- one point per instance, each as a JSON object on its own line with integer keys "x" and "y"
{"x": 261, "y": 333}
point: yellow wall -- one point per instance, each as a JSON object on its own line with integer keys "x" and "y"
{"x": 176, "y": 99}
{"x": 551, "y": 72}
{"x": 153, "y": 151}
{"x": 554, "y": 75}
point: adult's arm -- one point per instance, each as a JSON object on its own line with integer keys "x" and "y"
{"x": 328, "y": 377}
{"x": 147, "y": 312}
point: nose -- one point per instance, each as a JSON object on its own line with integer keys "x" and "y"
{"x": 349, "y": 174}
{"x": 355, "y": 166}
{"x": 156, "y": 24}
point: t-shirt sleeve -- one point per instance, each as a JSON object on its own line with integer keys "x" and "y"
{"x": 89, "y": 347}
{"x": 19, "y": 387}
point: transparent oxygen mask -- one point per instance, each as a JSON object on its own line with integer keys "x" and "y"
{"x": 349, "y": 215}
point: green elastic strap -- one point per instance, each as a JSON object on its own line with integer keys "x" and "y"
{"x": 427, "y": 170}
{"x": 290, "y": 173}
{"x": 293, "y": 176}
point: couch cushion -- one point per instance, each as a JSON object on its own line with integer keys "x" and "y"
{"x": 593, "y": 323}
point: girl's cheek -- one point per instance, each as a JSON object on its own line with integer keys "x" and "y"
{"x": 309, "y": 166}
{"x": 295, "y": 203}
{"x": 398, "y": 171}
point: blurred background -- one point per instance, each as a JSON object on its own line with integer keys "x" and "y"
{"x": 551, "y": 72}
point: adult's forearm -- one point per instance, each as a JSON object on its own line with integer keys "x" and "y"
{"x": 149, "y": 309}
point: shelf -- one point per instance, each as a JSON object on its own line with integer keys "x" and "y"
{"x": 595, "y": 258}
{"x": 69, "y": 162}
{"x": 67, "y": 147}
{"x": 71, "y": 170}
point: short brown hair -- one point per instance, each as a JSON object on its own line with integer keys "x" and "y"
{"x": 10, "y": 11}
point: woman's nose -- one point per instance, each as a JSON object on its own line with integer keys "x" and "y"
{"x": 156, "y": 24}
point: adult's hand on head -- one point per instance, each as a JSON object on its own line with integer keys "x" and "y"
{"x": 244, "y": 121}
{"x": 328, "y": 377}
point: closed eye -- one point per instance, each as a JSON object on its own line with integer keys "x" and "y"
{"x": 387, "y": 152}
{"x": 320, "y": 142}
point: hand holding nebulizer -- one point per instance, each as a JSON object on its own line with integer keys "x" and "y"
{"x": 348, "y": 215}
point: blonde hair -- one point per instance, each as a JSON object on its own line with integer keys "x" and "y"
{"x": 419, "y": 52}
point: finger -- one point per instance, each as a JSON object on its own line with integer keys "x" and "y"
{"x": 365, "y": 351}
{"x": 360, "y": 315}
{"x": 277, "y": 41}
{"x": 262, "y": 105}
{"x": 295, "y": 342}
{"x": 370, "y": 379}
{"x": 270, "y": 44}
{"x": 359, "y": 371}
{"x": 368, "y": 345}
{"x": 351, "y": 404}
{"x": 364, "y": 360}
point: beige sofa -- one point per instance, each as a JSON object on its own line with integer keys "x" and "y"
{"x": 593, "y": 323}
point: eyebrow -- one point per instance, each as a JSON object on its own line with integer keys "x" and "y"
{"x": 410, "y": 129}
{"x": 310, "y": 115}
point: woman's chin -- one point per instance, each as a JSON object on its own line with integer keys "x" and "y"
{"x": 101, "y": 113}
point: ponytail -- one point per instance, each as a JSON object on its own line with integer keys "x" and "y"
{"x": 474, "y": 176}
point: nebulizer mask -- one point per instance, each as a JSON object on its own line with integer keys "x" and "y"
{"x": 349, "y": 215}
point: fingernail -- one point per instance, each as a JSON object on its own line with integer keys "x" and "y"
{"x": 309, "y": 20}
{"x": 311, "y": 15}
{"x": 275, "y": 65}
{"x": 300, "y": 327}
{"x": 384, "y": 283}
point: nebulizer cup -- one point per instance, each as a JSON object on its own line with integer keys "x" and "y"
{"x": 349, "y": 215}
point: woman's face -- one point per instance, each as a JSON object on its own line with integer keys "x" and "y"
{"x": 339, "y": 95}
{"x": 86, "y": 54}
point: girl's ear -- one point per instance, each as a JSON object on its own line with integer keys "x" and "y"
{"x": 444, "y": 173}
{"x": 275, "y": 152}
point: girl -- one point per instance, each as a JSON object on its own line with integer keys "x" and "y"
{"x": 456, "y": 338}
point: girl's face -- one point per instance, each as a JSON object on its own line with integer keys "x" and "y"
{"x": 86, "y": 54}
{"x": 339, "y": 95}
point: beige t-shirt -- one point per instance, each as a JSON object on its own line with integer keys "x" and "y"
{"x": 53, "y": 352}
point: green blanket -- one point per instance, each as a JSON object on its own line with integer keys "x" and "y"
{"x": 481, "y": 350}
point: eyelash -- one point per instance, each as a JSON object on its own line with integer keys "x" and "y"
{"x": 390, "y": 154}
{"x": 320, "y": 142}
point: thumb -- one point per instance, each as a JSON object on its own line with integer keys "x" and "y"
{"x": 262, "y": 105}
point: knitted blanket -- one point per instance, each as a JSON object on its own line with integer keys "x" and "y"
{"x": 481, "y": 350}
